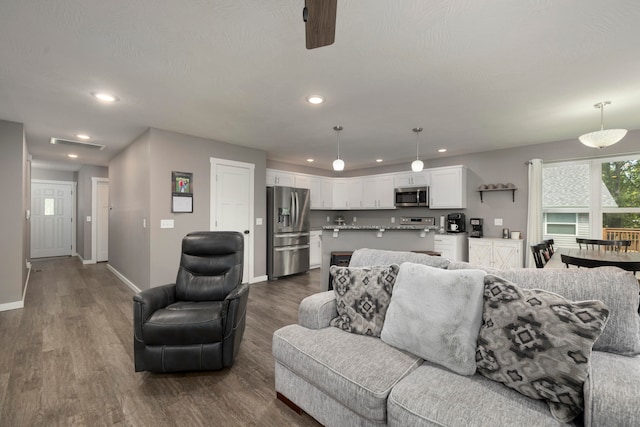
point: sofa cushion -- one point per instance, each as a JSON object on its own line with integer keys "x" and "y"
{"x": 362, "y": 297}
{"x": 617, "y": 289}
{"x": 538, "y": 343}
{"x": 434, "y": 396}
{"x": 357, "y": 370}
{"x": 364, "y": 257}
{"x": 185, "y": 323}
{"x": 436, "y": 314}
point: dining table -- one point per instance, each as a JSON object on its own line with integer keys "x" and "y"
{"x": 590, "y": 258}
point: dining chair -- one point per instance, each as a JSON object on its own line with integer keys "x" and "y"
{"x": 539, "y": 251}
{"x": 606, "y": 244}
{"x": 550, "y": 249}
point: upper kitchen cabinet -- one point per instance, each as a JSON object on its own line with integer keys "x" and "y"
{"x": 411, "y": 179}
{"x": 448, "y": 187}
{"x": 280, "y": 178}
{"x": 287, "y": 179}
{"x": 321, "y": 190}
{"x": 377, "y": 192}
{"x": 347, "y": 193}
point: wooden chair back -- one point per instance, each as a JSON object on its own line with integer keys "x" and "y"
{"x": 540, "y": 254}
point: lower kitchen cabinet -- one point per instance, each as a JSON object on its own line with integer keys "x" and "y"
{"x": 451, "y": 246}
{"x": 315, "y": 249}
{"x": 502, "y": 254}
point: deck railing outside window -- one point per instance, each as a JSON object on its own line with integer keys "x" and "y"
{"x": 632, "y": 234}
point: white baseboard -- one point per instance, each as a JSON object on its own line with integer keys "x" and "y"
{"x": 259, "y": 279}
{"x": 85, "y": 261}
{"x": 12, "y": 305}
{"x": 122, "y": 278}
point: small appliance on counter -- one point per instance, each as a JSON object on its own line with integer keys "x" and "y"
{"x": 420, "y": 220}
{"x": 455, "y": 223}
{"x": 476, "y": 227}
{"x": 505, "y": 233}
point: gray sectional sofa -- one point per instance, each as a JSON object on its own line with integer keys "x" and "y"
{"x": 345, "y": 379}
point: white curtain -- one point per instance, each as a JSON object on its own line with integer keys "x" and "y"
{"x": 534, "y": 211}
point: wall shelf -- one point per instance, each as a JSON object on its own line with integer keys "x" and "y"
{"x": 513, "y": 192}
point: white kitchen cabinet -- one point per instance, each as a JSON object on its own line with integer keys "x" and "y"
{"x": 378, "y": 192}
{"x": 411, "y": 179}
{"x": 448, "y": 187}
{"x": 451, "y": 246}
{"x": 340, "y": 196}
{"x": 354, "y": 193}
{"x": 280, "y": 178}
{"x": 302, "y": 181}
{"x": 321, "y": 190}
{"x": 502, "y": 254}
{"x": 315, "y": 249}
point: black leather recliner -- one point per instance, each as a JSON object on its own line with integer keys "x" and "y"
{"x": 198, "y": 322}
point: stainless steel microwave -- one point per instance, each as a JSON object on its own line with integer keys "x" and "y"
{"x": 412, "y": 196}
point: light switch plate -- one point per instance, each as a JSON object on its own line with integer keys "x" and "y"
{"x": 497, "y": 221}
{"x": 166, "y": 223}
{"x": 258, "y": 221}
{"x": 89, "y": 218}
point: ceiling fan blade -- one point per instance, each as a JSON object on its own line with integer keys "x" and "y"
{"x": 320, "y": 25}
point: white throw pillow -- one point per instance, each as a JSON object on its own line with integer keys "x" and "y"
{"x": 436, "y": 314}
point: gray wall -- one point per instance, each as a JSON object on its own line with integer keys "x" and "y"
{"x": 84, "y": 200}
{"x": 14, "y": 227}
{"x": 53, "y": 175}
{"x": 140, "y": 188}
{"x": 129, "y": 195}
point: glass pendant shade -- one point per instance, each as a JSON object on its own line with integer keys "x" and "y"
{"x": 417, "y": 165}
{"x": 602, "y": 138}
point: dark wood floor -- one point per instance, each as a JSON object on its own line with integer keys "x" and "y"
{"x": 66, "y": 359}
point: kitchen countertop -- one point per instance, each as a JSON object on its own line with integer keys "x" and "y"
{"x": 380, "y": 227}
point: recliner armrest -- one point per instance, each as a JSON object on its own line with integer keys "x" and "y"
{"x": 154, "y": 299}
{"x": 236, "y": 301}
{"x": 317, "y": 310}
{"x": 612, "y": 390}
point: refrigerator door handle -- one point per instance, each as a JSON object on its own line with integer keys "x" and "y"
{"x": 297, "y": 209}
{"x": 293, "y": 209}
{"x": 291, "y": 248}
{"x": 301, "y": 234}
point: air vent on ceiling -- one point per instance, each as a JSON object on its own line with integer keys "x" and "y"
{"x": 68, "y": 142}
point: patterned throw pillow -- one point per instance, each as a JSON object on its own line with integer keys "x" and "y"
{"x": 538, "y": 343}
{"x": 362, "y": 297}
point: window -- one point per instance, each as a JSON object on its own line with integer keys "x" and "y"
{"x": 597, "y": 199}
{"x": 49, "y": 206}
{"x": 558, "y": 224}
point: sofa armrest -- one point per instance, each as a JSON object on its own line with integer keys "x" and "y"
{"x": 317, "y": 310}
{"x": 612, "y": 391}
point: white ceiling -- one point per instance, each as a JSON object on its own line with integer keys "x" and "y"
{"x": 477, "y": 75}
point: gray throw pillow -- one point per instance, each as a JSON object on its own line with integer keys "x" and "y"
{"x": 436, "y": 314}
{"x": 362, "y": 297}
{"x": 539, "y": 343}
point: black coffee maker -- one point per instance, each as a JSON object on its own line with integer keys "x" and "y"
{"x": 455, "y": 223}
{"x": 476, "y": 227}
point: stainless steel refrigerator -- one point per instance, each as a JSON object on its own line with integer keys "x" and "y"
{"x": 287, "y": 231}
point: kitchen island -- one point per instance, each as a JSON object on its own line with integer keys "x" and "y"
{"x": 347, "y": 238}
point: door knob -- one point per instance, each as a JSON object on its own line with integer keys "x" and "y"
{"x": 246, "y": 231}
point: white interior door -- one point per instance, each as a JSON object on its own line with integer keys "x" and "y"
{"x": 232, "y": 204}
{"x": 51, "y": 217}
{"x": 102, "y": 221}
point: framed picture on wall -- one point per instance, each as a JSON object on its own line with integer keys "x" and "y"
{"x": 181, "y": 182}
{"x": 181, "y": 192}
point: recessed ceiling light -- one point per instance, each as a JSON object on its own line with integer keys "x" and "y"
{"x": 73, "y": 156}
{"x": 442, "y": 150}
{"x": 379, "y": 160}
{"x": 103, "y": 96}
{"x": 83, "y": 136}
{"x": 315, "y": 99}
{"x": 310, "y": 160}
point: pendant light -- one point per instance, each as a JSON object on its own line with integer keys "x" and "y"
{"x": 602, "y": 138}
{"x": 338, "y": 163}
{"x": 417, "y": 164}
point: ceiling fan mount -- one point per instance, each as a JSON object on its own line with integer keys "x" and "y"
{"x": 319, "y": 18}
